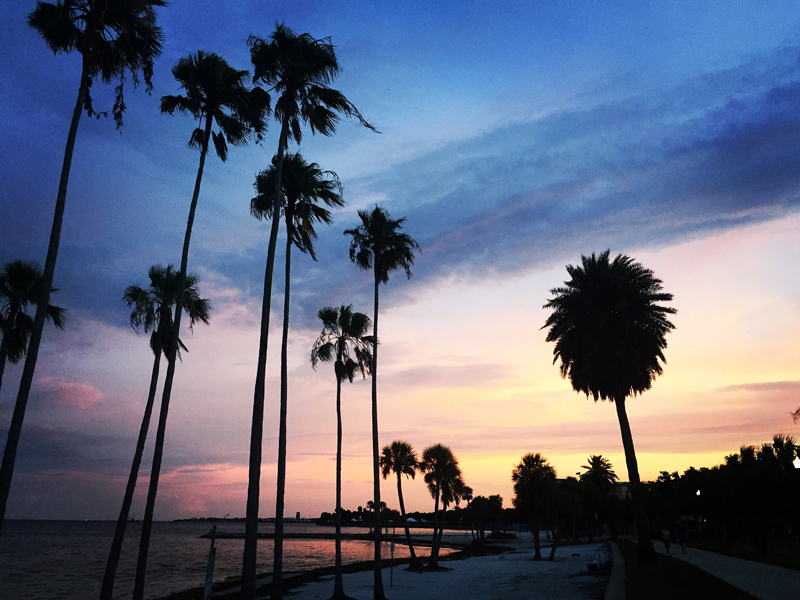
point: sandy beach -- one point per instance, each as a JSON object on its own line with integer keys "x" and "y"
{"x": 509, "y": 576}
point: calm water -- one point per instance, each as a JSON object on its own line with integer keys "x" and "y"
{"x": 66, "y": 559}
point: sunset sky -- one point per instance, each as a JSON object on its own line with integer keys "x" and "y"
{"x": 514, "y": 140}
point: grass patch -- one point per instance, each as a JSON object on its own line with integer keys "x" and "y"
{"x": 672, "y": 578}
{"x": 782, "y": 553}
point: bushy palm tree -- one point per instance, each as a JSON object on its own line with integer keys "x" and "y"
{"x": 217, "y": 93}
{"x": 20, "y": 283}
{"x": 379, "y": 245}
{"x": 399, "y": 458}
{"x": 443, "y": 478}
{"x": 600, "y": 473}
{"x": 152, "y": 312}
{"x": 298, "y": 69}
{"x": 534, "y": 486}
{"x": 342, "y": 331}
{"x": 609, "y": 332}
{"x": 114, "y": 38}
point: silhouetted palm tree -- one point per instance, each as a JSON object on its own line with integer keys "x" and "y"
{"x": 152, "y": 311}
{"x": 214, "y": 93}
{"x": 342, "y": 330}
{"x": 534, "y": 486}
{"x": 298, "y": 69}
{"x": 609, "y": 328}
{"x": 599, "y": 472}
{"x": 379, "y": 245}
{"x": 20, "y": 283}
{"x": 443, "y": 478}
{"x": 113, "y": 38}
{"x": 400, "y": 459}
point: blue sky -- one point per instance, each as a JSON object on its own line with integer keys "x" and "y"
{"x": 513, "y": 139}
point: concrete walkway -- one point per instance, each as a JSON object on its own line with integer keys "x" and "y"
{"x": 764, "y": 581}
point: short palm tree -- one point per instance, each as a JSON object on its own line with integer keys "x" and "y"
{"x": 342, "y": 331}
{"x": 443, "y": 478}
{"x": 399, "y": 458}
{"x": 298, "y": 69}
{"x": 600, "y": 473}
{"x": 152, "y": 312}
{"x": 113, "y": 38}
{"x": 217, "y": 93}
{"x": 534, "y": 485}
{"x": 20, "y": 287}
{"x": 379, "y": 245}
{"x": 609, "y": 332}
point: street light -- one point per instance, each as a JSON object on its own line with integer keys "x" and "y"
{"x": 698, "y": 492}
{"x": 796, "y": 463}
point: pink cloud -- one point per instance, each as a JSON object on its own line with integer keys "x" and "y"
{"x": 72, "y": 393}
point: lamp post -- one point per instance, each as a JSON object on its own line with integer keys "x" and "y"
{"x": 699, "y": 522}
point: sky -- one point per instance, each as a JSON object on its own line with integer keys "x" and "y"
{"x": 513, "y": 140}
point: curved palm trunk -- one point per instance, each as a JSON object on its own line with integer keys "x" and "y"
{"x": 441, "y": 529}
{"x": 377, "y": 588}
{"x": 14, "y": 431}
{"x": 119, "y": 533}
{"x": 433, "y": 562}
{"x": 537, "y": 545}
{"x": 248, "y": 590}
{"x": 3, "y": 356}
{"x": 147, "y": 523}
{"x": 277, "y": 563}
{"x": 414, "y": 560}
{"x": 646, "y": 554}
{"x": 338, "y": 584}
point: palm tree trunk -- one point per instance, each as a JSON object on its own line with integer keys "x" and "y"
{"x": 414, "y": 560}
{"x": 377, "y": 588}
{"x": 277, "y": 563}
{"x": 537, "y": 546}
{"x": 119, "y": 533}
{"x": 248, "y": 590}
{"x": 441, "y": 529}
{"x": 646, "y": 554}
{"x": 3, "y": 355}
{"x": 432, "y": 563}
{"x": 147, "y": 523}
{"x": 338, "y": 585}
{"x": 14, "y": 431}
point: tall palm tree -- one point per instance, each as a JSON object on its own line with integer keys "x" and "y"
{"x": 609, "y": 332}
{"x": 217, "y": 93}
{"x": 399, "y": 458}
{"x": 443, "y": 478}
{"x": 534, "y": 485}
{"x": 113, "y": 38}
{"x": 298, "y": 69}
{"x": 342, "y": 330}
{"x": 20, "y": 283}
{"x": 152, "y": 311}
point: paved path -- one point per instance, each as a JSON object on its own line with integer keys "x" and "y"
{"x": 764, "y": 581}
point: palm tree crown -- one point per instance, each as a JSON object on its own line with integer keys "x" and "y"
{"x": 608, "y": 326}
{"x": 20, "y": 288}
{"x": 533, "y": 478}
{"x": 300, "y": 69}
{"x": 218, "y": 92}
{"x": 442, "y": 473}
{"x": 379, "y": 243}
{"x": 112, "y": 37}
{"x": 399, "y": 458}
{"x": 343, "y": 330}
{"x": 599, "y": 472}
{"x": 152, "y": 306}
{"x": 303, "y": 185}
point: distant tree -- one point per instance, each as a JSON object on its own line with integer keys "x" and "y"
{"x": 152, "y": 312}
{"x": 378, "y": 244}
{"x": 399, "y": 458}
{"x": 217, "y": 93}
{"x": 113, "y": 38}
{"x": 534, "y": 487}
{"x": 598, "y": 481}
{"x": 342, "y": 331}
{"x": 609, "y": 332}
{"x": 20, "y": 288}
{"x": 443, "y": 478}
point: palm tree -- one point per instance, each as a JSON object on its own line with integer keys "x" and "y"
{"x": 400, "y": 459}
{"x": 609, "y": 328}
{"x": 379, "y": 245}
{"x": 600, "y": 473}
{"x": 534, "y": 485}
{"x": 342, "y": 330}
{"x": 443, "y": 478}
{"x": 20, "y": 283}
{"x": 215, "y": 93}
{"x": 113, "y": 38}
{"x": 152, "y": 311}
{"x": 299, "y": 70}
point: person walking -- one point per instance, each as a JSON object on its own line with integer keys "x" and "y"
{"x": 683, "y": 534}
{"x": 665, "y": 538}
